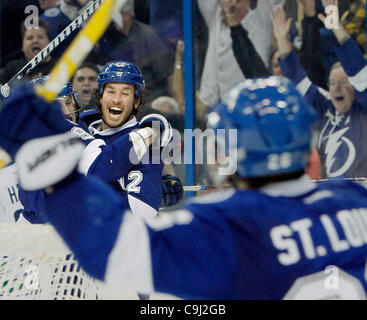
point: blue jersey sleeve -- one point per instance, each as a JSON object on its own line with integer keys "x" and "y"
{"x": 355, "y": 67}
{"x": 152, "y": 254}
{"x": 94, "y": 213}
{"x": 293, "y": 70}
{"x": 111, "y": 161}
{"x": 240, "y": 245}
{"x": 187, "y": 242}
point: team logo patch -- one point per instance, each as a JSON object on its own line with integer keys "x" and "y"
{"x": 81, "y": 133}
{"x": 5, "y": 90}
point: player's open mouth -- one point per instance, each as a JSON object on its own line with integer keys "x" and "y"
{"x": 35, "y": 50}
{"x": 115, "y": 111}
{"x": 86, "y": 92}
{"x": 339, "y": 98}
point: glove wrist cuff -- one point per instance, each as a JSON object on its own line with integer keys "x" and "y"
{"x": 140, "y": 141}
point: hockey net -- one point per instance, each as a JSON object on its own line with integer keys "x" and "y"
{"x": 35, "y": 263}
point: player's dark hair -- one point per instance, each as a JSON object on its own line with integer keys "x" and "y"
{"x": 141, "y": 101}
{"x": 41, "y": 24}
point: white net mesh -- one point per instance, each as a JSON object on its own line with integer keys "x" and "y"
{"x": 36, "y": 264}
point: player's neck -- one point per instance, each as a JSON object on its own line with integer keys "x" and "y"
{"x": 105, "y": 126}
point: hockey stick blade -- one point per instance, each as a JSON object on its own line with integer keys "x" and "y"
{"x": 45, "y": 52}
{"x": 79, "y": 49}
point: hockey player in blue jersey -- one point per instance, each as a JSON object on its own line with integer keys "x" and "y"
{"x": 111, "y": 162}
{"x": 120, "y": 92}
{"x": 33, "y": 202}
{"x": 274, "y": 235}
{"x": 342, "y": 112}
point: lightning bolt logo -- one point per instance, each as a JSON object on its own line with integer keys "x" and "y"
{"x": 334, "y": 142}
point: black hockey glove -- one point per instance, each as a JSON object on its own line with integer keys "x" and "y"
{"x": 172, "y": 190}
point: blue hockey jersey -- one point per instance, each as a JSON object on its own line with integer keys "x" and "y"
{"x": 343, "y": 137}
{"x": 107, "y": 156}
{"x": 289, "y": 240}
{"x": 142, "y": 182}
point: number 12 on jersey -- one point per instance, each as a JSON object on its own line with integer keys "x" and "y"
{"x": 135, "y": 177}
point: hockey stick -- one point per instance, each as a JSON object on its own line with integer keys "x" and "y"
{"x": 75, "y": 24}
{"x": 359, "y": 179}
{"x": 79, "y": 49}
{"x": 199, "y": 188}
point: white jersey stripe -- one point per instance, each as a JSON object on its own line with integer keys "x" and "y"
{"x": 141, "y": 208}
{"x": 304, "y": 85}
{"x": 90, "y": 154}
{"x": 359, "y": 80}
{"x": 9, "y": 197}
{"x": 129, "y": 264}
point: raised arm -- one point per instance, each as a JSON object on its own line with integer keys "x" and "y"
{"x": 339, "y": 31}
{"x": 145, "y": 255}
{"x": 290, "y": 63}
{"x": 310, "y": 52}
{"x": 207, "y": 10}
{"x": 244, "y": 51}
{"x": 350, "y": 56}
{"x": 281, "y": 27}
{"x": 259, "y": 27}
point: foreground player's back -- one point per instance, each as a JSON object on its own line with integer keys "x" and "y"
{"x": 291, "y": 239}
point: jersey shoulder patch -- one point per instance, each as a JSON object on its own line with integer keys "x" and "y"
{"x": 82, "y": 134}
